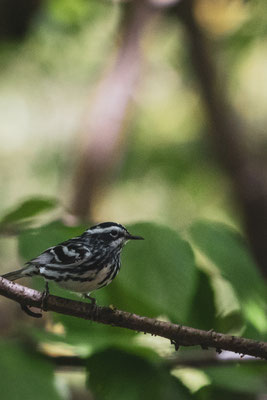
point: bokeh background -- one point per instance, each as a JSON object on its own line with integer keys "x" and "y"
{"x": 151, "y": 114}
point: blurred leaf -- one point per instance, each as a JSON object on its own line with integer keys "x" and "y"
{"x": 211, "y": 393}
{"x": 203, "y": 311}
{"x": 249, "y": 33}
{"x": 93, "y": 336}
{"x": 34, "y": 241}
{"x": 232, "y": 323}
{"x": 75, "y": 14}
{"x": 29, "y": 208}
{"x": 176, "y": 161}
{"x": 114, "y": 374}
{"x": 239, "y": 378}
{"x": 158, "y": 275}
{"x": 24, "y": 375}
{"x": 229, "y": 253}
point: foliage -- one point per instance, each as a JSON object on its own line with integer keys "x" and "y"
{"x": 24, "y": 375}
{"x": 194, "y": 267}
{"x": 159, "y": 278}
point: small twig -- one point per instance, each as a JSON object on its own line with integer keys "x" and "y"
{"x": 210, "y": 361}
{"x": 182, "y": 335}
{"x": 170, "y": 363}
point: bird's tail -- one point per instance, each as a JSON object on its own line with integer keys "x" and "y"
{"x": 12, "y": 276}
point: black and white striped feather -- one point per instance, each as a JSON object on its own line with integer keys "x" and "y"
{"x": 81, "y": 264}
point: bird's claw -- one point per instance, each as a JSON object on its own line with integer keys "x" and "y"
{"x": 92, "y": 299}
{"x": 45, "y": 297}
{"x": 94, "y": 306}
{"x": 29, "y": 312}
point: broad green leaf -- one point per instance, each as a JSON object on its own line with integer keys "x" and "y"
{"x": 239, "y": 378}
{"x": 34, "y": 241}
{"x": 24, "y": 375}
{"x": 158, "y": 275}
{"x": 29, "y": 208}
{"x": 215, "y": 393}
{"x": 230, "y": 256}
{"x": 203, "y": 311}
{"x": 92, "y": 336}
{"x": 115, "y": 375}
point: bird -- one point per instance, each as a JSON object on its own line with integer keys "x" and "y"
{"x": 82, "y": 264}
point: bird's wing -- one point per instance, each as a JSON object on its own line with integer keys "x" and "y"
{"x": 66, "y": 254}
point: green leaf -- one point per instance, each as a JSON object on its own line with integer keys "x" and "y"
{"x": 34, "y": 241}
{"x": 92, "y": 336}
{"x": 210, "y": 393}
{"x": 203, "y": 311}
{"x": 230, "y": 256}
{"x": 239, "y": 378}
{"x": 29, "y": 208}
{"x": 114, "y": 374}
{"x": 24, "y": 375}
{"x": 158, "y": 275}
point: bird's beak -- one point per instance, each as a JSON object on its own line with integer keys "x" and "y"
{"x": 132, "y": 237}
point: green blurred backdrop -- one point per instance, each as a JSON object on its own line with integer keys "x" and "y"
{"x": 102, "y": 119}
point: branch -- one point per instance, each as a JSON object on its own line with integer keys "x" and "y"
{"x": 177, "y": 334}
{"x": 170, "y": 363}
{"x": 203, "y": 362}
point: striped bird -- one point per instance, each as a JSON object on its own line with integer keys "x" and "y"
{"x": 81, "y": 264}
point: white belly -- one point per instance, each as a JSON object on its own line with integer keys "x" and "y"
{"x": 87, "y": 286}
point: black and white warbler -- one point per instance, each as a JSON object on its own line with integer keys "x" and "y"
{"x": 82, "y": 264}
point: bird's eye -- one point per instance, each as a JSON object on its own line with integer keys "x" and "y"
{"x": 114, "y": 233}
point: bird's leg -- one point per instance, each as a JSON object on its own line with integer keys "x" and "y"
{"x": 87, "y": 296}
{"x": 45, "y": 297}
{"x": 94, "y": 306}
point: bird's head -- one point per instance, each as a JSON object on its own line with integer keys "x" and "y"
{"x": 111, "y": 235}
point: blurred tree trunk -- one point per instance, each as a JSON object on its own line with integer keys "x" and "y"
{"x": 105, "y": 126}
{"x": 16, "y": 17}
{"x": 227, "y": 131}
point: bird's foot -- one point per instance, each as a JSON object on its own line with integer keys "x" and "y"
{"x": 29, "y": 312}
{"x": 43, "y": 307}
{"x": 45, "y": 296}
{"x": 93, "y": 300}
{"x": 93, "y": 304}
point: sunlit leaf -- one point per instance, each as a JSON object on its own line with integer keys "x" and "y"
{"x": 230, "y": 255}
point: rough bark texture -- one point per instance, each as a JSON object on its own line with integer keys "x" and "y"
{"x": 179, "y": 335}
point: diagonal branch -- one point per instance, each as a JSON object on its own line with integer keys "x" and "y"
{"x": 177, "y": 334}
